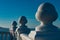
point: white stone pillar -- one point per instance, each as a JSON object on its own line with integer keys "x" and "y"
{"x": 46, "y": 15}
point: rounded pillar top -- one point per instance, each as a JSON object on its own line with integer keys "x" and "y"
{"x": 23, "y": 20}
{"x": 46, "y": 13}
{"x": 14, "y": 23}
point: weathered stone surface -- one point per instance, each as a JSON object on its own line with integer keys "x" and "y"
{"x": 46, "y": 14}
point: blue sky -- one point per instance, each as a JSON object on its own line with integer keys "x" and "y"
{"x": 11, "y": 10}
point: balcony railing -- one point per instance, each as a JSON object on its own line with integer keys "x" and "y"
{"x": 5, "y": 36}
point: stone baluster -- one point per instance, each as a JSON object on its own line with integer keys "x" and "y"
{"x": 23, "y": 29}
{"x": 46, "y": 15}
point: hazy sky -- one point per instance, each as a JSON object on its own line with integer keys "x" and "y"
{"x": 11, "y": 10}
